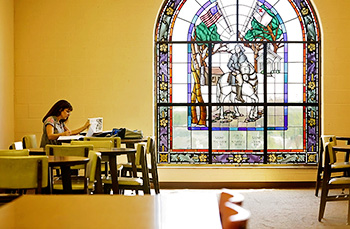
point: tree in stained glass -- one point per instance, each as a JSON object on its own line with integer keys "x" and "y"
{"x": 264, "y": 27}
{"x": 199, "y": 53}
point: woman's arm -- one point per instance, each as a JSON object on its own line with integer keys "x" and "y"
{"x": 52, "y": 136}
{"x": 77, "y": 131}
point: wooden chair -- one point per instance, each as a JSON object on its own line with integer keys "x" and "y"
{"x": 233, "y": 197}
{"x": 330, "y": 182}
{"x": 132, "y": 183}
{"x": 320, "y": 167}
{"x": 22, "y": 173}
{"x": 79, "y": 184}
{"x": 152, "y": 168}
{"x": 68, "y": 150}
{"x": 29, "y": 141}
{"x": 232, "y": 215}
{"x": 108, "y": 144}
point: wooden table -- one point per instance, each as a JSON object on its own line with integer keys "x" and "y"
{"x": 65, "y": 162}
{"x": 169, "y": 211}
{"x": 112, "y": 158}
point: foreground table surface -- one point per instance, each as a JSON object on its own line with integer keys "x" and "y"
{"x": 112, "y": 211}
{"x": 79, "y": 211}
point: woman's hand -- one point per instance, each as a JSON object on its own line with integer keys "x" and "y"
{"x": 67, "y": 133}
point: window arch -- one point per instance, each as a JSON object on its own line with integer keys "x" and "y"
{"x": 237, "y": 82}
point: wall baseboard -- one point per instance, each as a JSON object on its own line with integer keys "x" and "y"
{"x": 236, "y": 185}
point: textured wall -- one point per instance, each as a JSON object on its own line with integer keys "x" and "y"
{"x": 336, "y": 88}
{"x": 6, "y": 73}
{"x": 96, "y": 54}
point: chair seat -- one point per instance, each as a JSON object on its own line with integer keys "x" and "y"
{"x": 129, "y": 166}
{"x": 340, "y": 180}
{"x": 340, "y": 165}
{"x": 130, "y": 181}
{"x": 119, "y": 167}
{"x": 77, "y": 184}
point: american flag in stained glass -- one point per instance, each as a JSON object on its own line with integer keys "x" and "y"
{"x": 211, "y": 16}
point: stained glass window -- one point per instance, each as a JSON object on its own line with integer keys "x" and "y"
{"x": 237, "y": 82}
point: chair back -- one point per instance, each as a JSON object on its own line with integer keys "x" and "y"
{"x": 69, "y": 150}
{"x": 142, "y": 154}
{"x": 154, "y": 161}
{"x": 231, "y": 196}
{"x": 328, "y": 138}
{"x": 13, "y": 152}
{"x": 108, "y": 144}
{"x": 117, "y": 141}
{"x": 29, "y": 141}
{"x": 91, "y": 166}
{"x": 23, "y": 172}
{"x": 149, "y": 151}
{"x": 330, "y": 154}
{"x": 152, "y": 151}
{"x": 232, "y": 214}
{"x": 323, "y": 140}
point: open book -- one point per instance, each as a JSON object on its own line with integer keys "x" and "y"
{"x": 71, "y": 137}
{"x": 96, "y": 126}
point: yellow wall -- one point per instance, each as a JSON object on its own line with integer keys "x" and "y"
{"x": 96, "y": 54}
{"x": 336, "y": 84}
{"x": 6, "y": 73}
{"x": 99, "y": 56}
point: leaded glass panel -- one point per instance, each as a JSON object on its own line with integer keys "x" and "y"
{"x": 237, "y": 82}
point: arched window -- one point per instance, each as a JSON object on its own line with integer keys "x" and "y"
{"x": 237, "y": 82}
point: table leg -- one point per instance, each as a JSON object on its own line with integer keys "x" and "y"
{"x": 346, "y": 173}
{"x": 347, "y": 153}
{"x": 133, "y": 164}
{"x": 132, "y": 146}
{"x": 66, "y": 179}
{"x": 98, "y": 187}
{"x": 114, "y": 173}
{"x": 48, "y": 189}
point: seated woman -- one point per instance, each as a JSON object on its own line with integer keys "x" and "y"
{"x": 55, "y": 123}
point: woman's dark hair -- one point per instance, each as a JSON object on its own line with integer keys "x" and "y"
{"x": 58, "y": 108}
